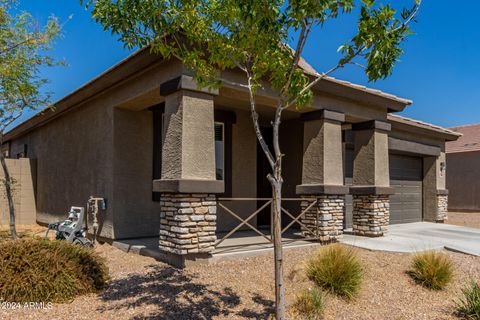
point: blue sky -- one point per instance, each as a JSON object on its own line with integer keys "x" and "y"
{"x": 440, "y": 70}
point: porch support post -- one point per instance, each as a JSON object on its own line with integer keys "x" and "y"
{"x": 435, "y": 195}
{"x": 188, "y": 182}
{"x": 322, "y": 175}
{"x": 371, "y": 179}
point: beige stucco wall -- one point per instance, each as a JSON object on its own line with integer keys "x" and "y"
{"x": 23, "y": 173}
{"x": 441, "y": 176}
{"x": 322, "y": 152}
{"x": 75, "y": 153}
{"x": 429, "y": 188}
{"x": 416, "y": 137}
{"x": 463, "y": 176}
{"x": 188, "y": 136}
{"x": 382, "y": 173}
{"x": 74, "y": 161}
{"x": 371, "y": 158}
{"x": 135, "y": 213}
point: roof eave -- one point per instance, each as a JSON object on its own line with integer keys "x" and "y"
{"x": 433, "y": 130}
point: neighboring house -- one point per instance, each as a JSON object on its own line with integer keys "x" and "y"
{"x": 145, "y": 120}
{"x": 463, "y": 163}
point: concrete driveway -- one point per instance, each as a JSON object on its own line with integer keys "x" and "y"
{"x": 421, "y": 236}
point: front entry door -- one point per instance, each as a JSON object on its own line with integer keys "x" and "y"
{"x": 264, "y": 189}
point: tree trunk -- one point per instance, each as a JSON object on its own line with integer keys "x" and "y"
{"x": 276, "y": 181}
{"x": 8, "y": 191}
{"x": 277, "y": 249}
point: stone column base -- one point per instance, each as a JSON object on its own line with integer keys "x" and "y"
{"x": 371, "y": 215}
{"x": 442, "y": 208}
{"x": 325, "y": 218}
{"x": 188, "y": 223}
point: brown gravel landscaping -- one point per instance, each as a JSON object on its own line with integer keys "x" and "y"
{"x": 243, "y": 289}
{"x": 142, "y": 288}
{"x": 467, "y": 219}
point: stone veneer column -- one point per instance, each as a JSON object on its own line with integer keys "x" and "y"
{"x": 442, "y": 205}
{"x": 371, "y": 179}
{"x": 325, "y": 218}
{"x": 188, "y": 184}
{"x": 322, "y": 175}
{"x": 371, "y": 215}
{"x": 435, "y": 204}
{"x": 188, "y": 223}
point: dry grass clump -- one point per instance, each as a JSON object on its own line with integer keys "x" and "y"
{"x": 336, "y": 269}
{"x": 431, "y": 269}
{"x": 469, "y": 305}
{"x": 310, "y": 304}
{"x": 40, "y": 270}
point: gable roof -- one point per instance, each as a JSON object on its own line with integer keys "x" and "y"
{"x": 469, "y": 141}
{"x": 142, "y": 58}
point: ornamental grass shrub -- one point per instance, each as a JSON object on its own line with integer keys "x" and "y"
{"x": 336, "y": 269}
{"x": 469, "y": 305}
{"x": 431, "y": 269}
{"x": 310, "y": 304}
{"x": 41, "y": 270}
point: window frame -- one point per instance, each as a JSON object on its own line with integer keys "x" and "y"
{"x": 228, "y": 118}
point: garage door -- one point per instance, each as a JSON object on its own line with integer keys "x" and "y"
{"x": 406, "y": 174}
{"x": 406, "y": 177}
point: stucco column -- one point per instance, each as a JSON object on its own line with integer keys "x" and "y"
{"x": 322, "y": 175}
{"x": 371, "y": 178}
{"x": 435, "y": 195}
{"x": 188, "y": 185}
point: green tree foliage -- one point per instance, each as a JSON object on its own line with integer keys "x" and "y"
{"x": 23, "y": 44}
{"x": 210, "y": 36}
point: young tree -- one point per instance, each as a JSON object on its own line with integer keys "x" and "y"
{"x": 210, "y": 36}
{"x": 22, "y": 53}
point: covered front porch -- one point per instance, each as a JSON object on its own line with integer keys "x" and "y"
{"x": 209, "y": 175}
{"x": 212, "y": 184}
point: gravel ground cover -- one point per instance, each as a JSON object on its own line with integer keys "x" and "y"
{"x": 468, "y": 219}
{"x": 142, "y": 288}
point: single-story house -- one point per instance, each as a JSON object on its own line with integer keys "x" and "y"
{"x": 165, "y": 154}
{"x": 463, "y": 163}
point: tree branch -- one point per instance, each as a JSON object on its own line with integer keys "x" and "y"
{"x": 409, "y": 19}
{"x": 256, "y": 124}
{"x": 311, "y": 84}
{"x": 9, "y": 120}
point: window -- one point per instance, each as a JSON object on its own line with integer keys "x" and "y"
{"x": 219, "y": 151}
{"x": 24, "y": 153}
{"x": 223, "y": 148}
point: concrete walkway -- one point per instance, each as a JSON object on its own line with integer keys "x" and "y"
{"x": 241, "y": 244}
{"x": 421, "y": 236}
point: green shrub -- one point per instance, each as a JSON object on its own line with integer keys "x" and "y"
{"x": 336, "y": 269}
{"x": 40, "y": 270}
{"x": 310, "y": 303}
{"x": 432, "y": 269}
{"x": 469, "y": 305}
